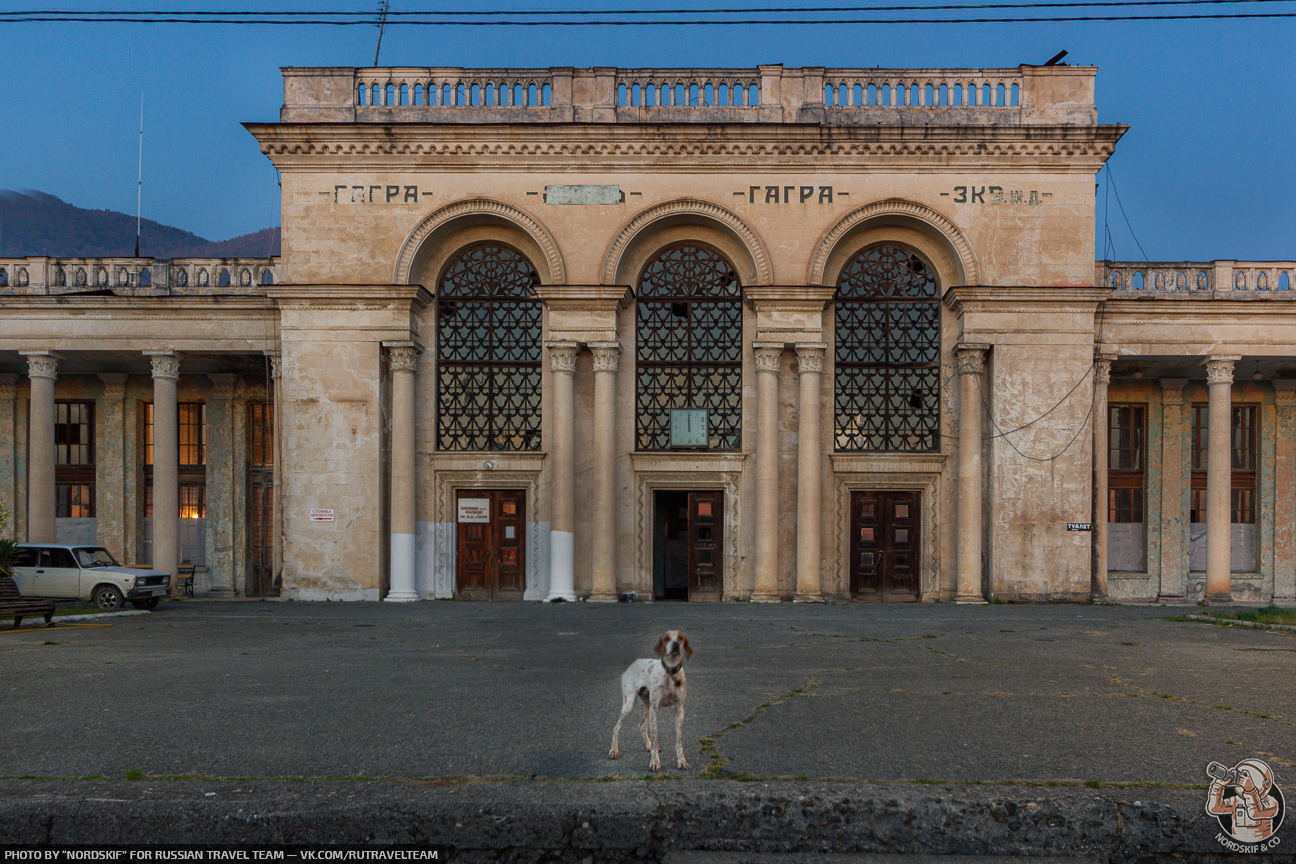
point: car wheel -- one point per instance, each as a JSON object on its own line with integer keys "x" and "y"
{"x": 150, "y": 603}
{"x": 108, "y": 598}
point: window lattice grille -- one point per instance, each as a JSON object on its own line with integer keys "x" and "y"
{"x": 688, "y": 345}
{"x": 488, "y": 352}
{"x": 887, "y": 380}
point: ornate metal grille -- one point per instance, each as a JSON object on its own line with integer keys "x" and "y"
{"x": 689, "y": 345}
{"x": 887, "y": 379}
{"x": 488, "y": 352}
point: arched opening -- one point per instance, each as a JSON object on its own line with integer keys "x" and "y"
{"x": 488, "y": 351}
{"x": 688, "y": 347}
{"x": 887, "y": 352}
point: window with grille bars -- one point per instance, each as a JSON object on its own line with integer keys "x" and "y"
{"x": 1125, "y": 432}
{"x": 688, "y": 346}
{"x": 74, "y": 460}
{"x": 1244, "y": 441}
{"x": 488, "y": 351}
{"x": 887, "y": 353}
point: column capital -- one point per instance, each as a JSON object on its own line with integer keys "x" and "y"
{"x": 114, "y": 384}
{"x": 810, "y": 356}
{"x": 403, "y": 356}
{"x": 1285, "y": 391}
{"x": 1102, "y": 367}
{"x": 166, "y": 364}
{"x": 768, "y": 355}
{"x": 1219, "y": 368}
{"x": 971, "y": 357}
{"x": 562, "y": 356}
{"x": 275, "y": 357}
{"x": 224, "y": 384}
{"x": 42, "y": 364}
{"x": 1172, "y": 390}
{"x": 8, "y": 385}
{"x": 607, "y": 355}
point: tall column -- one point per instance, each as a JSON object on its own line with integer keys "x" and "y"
{"x": 810, "y": 358}
{"x": 110, "y": 466}
{"x": 220, "y": 485}
{"x": 166, "y": 463}
{"x": 8, "y": 451}
{"x": 1219, "y": 478}
{"x": 1101, "y": 459}
{"x": 1174, "y": 522}
{"x": 276, "y": 498}
{"x": 403, "y": 357}
{"x": 768, "y": 356}
{"x": 42, "y": 368}
{"x": 562, "y": 508}
{"x": 606, "y": 357}
{"x": 971, "y": 366}
{"x": 1285, "y": 494}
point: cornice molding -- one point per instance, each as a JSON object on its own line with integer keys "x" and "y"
{"x": 477, "y": 207}
{"x": 293, "y": 296}
{"x": 895, "y": 207}
{"x": 688, "y": 207}
{"x": 1037, "y": 299}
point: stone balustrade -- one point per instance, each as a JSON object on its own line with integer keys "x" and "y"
{"x": 1208, "y": 279}
{"x": 136, "y": 277}
{"x": 1026, "y": 95}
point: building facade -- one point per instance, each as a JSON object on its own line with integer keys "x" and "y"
{"x": 707, "y": 334}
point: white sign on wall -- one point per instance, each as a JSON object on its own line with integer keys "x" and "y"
{"x": 321, "y": 516}
{"x": 474, "y": 510}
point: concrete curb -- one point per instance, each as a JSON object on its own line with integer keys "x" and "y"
{"x": 1235, "y": 623}
{"x": 573, "y": 821}
{"x": 94, "y": 615}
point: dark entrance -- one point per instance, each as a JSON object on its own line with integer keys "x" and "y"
{"x": 884, "y": 546}
{"x": 688, "y": 546}
{"x": 492, "y": 544}
{"x": 260, "y": 499}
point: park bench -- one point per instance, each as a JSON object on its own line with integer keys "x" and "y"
{"x": 185, "y": 579}
{"x": 13, "y": 603}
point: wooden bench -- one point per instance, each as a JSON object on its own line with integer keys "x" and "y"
{"x": 185, "y": 579}
{"x": 12, "y": 603}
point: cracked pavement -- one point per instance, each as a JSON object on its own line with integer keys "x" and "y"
{"x": 445, "y": 689}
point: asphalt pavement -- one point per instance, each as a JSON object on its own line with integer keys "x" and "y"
{"x": 891, "y": 694}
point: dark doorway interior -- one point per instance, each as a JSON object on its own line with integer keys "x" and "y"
{"x": 670, "y": 547}
{"x": 688, "y": 545}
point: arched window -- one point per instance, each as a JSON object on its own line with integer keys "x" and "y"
{"x": 488, "y": 351}
{"x": 688, "y": 347}
{"x": 887, "y": 379}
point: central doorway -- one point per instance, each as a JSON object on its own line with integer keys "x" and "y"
{"x": 688, "y": 545}
{"x": 491, "y": 552}
{"x": 884, "y": 546}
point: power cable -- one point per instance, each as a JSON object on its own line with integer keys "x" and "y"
{"x": 1112, "y": 181}
{"x": 605, "y": 23}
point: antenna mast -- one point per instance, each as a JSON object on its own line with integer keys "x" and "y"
{"x": 382, "y": 23}
{"x": 139, "y": 180}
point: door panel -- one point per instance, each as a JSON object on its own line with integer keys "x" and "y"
{"x": 260, "y": 506}
{"x": 491, "y": 556}
{"x": 884, "y": 549}
{"x": 57, "y": 574}
{"x": 706, "y": 545}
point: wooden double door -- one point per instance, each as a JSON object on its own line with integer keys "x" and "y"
{"x": 885, "y": 529}
{"x": 689, "y": 545}
{"x": 491, "y": 552}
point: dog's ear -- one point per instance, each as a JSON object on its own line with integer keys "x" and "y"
{"x": 660, "y": 649}
{"x": 688, "y": 649}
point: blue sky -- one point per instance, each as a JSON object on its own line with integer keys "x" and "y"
{"x": 1206, "y": 171}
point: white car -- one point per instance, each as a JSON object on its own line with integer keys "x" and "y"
{"x": 64, "y": 571}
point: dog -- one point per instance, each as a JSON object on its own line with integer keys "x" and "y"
{"x": 660, "y": 684}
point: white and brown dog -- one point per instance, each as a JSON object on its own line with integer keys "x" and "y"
{"x": 659, "y": 683}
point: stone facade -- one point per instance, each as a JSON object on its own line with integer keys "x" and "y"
{"x": 979, "y": 183}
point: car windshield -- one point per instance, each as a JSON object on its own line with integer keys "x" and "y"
{"x": 94, "y": 556}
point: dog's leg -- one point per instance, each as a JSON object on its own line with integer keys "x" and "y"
{"x": 654, "y": 758}
{"x": 627, "y": 705}
{"x": 643, "y": 727}
{"x": 680, "y": 761}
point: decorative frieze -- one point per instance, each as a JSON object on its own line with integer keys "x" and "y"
{"x": 562, "y": 356}
{"x": 1285, "y": 391}
{"x": 1172, "y": 390}
{"x": 1219, "y": 368}
{"x": 223, "y": 384}
{"x": 607, "y": 356}
{"x": 166, "y": 364}
{"x": 114, "y": 384}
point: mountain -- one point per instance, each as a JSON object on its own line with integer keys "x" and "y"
{"x": 34, "y": 223}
